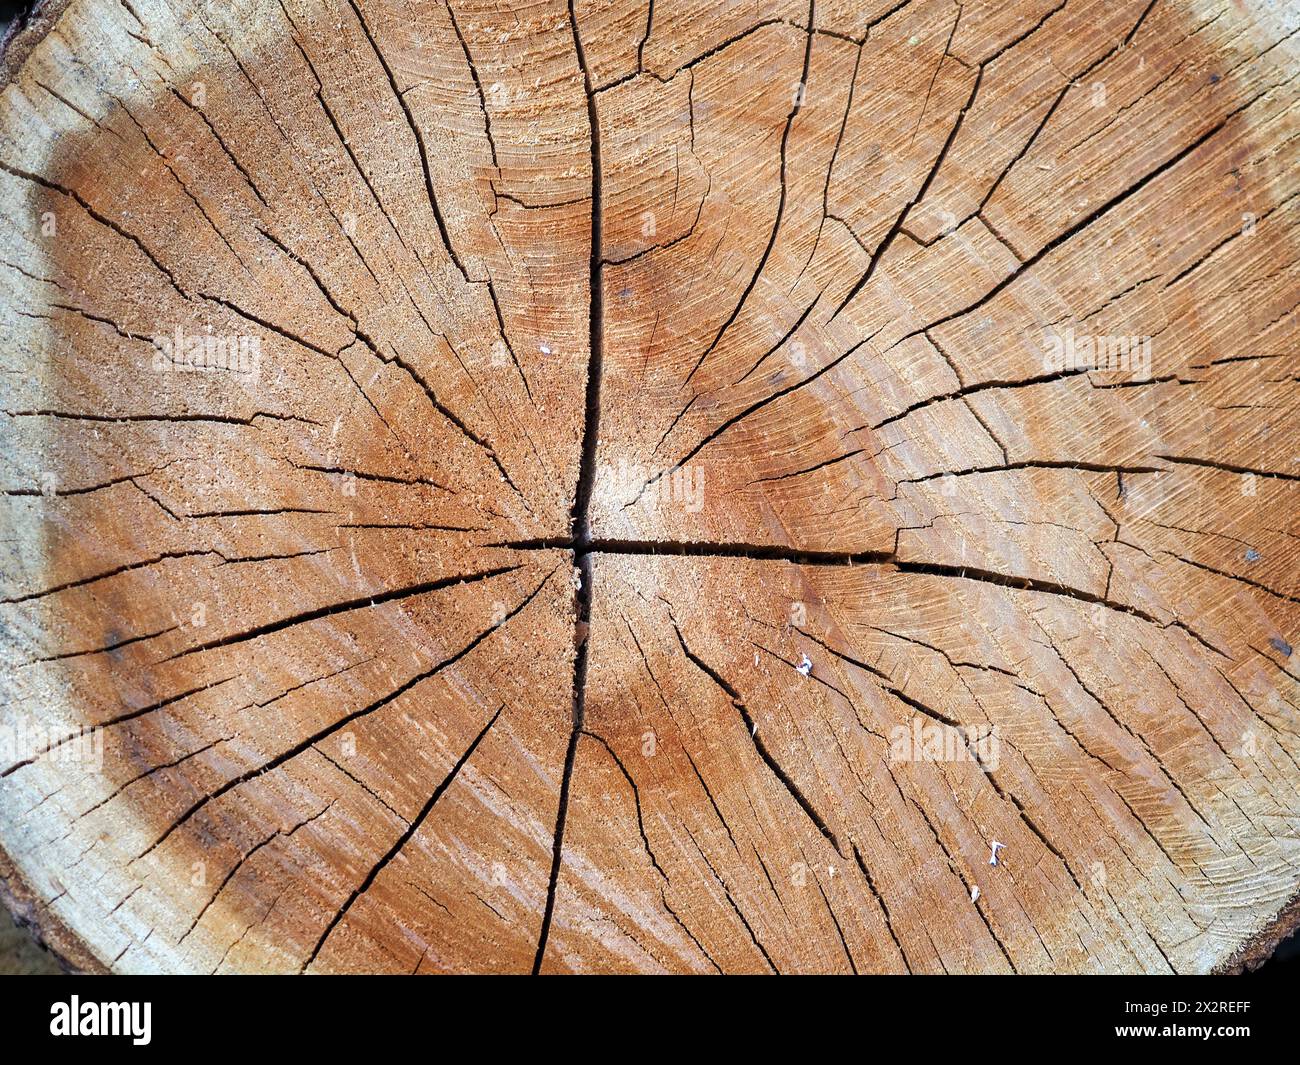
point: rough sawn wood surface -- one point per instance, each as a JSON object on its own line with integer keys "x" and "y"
{"x": 658, "y": 530}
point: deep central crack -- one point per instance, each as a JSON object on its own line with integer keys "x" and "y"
{"x": 581, "y": 540}
{"x": 580, "y": 519}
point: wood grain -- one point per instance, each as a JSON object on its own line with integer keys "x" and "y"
{"x": 687, "y": 479}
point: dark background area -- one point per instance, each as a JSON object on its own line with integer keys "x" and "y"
{"x": 1285, "y": 961}
{"x": 11, "y": 8}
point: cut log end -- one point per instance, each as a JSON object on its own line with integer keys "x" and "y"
{"x": 624, "y": 487}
